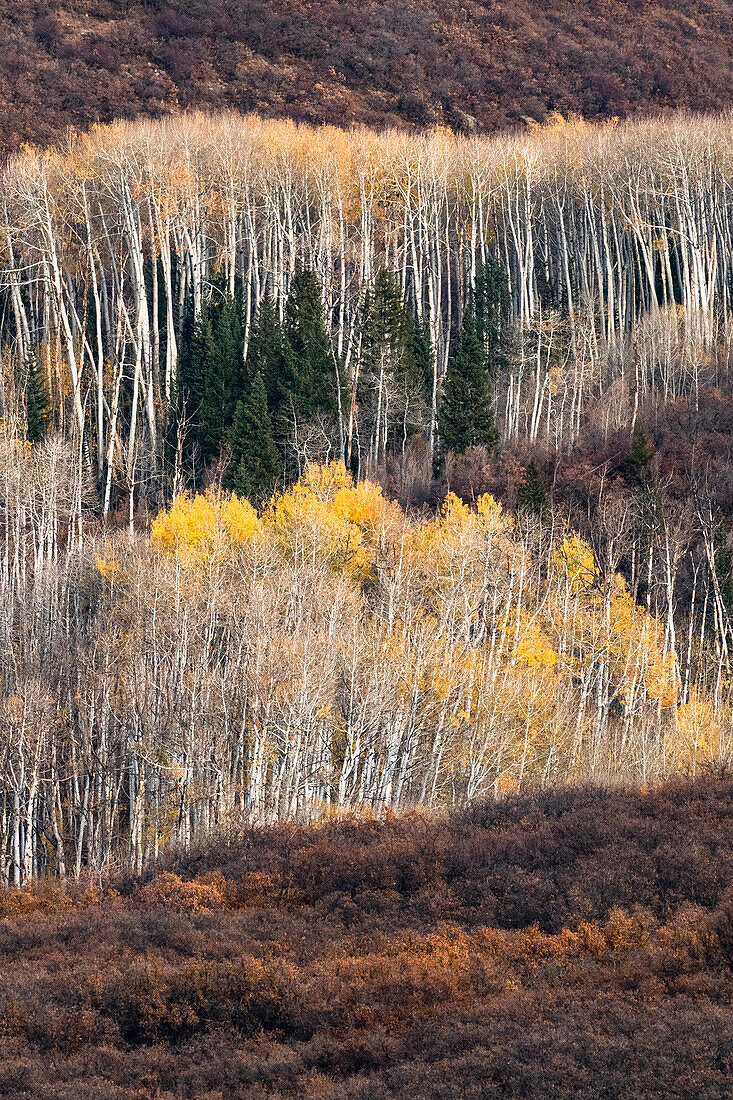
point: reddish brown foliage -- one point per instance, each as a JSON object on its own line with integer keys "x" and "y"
{"x": 77, "y": 61}
{"x": 575, "y": 944}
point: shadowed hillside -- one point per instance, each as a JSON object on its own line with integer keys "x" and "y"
{"x": 468, "y": 65}
{"x": 572, "y": 944}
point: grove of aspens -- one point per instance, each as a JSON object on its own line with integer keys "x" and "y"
{"x": 347, "y": 471}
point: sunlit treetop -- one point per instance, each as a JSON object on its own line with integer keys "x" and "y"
{"x": 201, "y": 529}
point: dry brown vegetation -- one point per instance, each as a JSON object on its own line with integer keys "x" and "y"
{"x": 574, "y": 944}
{"x": 406, "y": 62}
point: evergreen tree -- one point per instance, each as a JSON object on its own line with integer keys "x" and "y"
{"x": 229, "y": 340}
{"x": 309, "y": 379}
{"x": 466, "y": 416}
{"x": 266, "y": 352}
{"x": 392, "y": 391}
{"x": 533, "y": 491}
{"x": 639, "y": 457}
{"x": 197, "y": 342}
{"x": 223, "y": 377}
{"x": 256, "y": 469}
{"x": 492, "y": 310}
{"x": 387, "y": 320}
{"x": 196, "y": 349}
{"x": 37, "y": 400}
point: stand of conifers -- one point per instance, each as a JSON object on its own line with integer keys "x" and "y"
{"x": 208, "y": 299}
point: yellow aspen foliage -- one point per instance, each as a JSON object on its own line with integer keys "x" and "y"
{"x": 107, "y": 567}
{"x": 189, "y": 524}
{"x": 637, "y": 642}
{"x": 365, "y": 506}
{"x": 492, "y": 514}
{"x": 198, "y": 529}
{"x": 459, "y": 521}
{"x": 479, "y": 649}
{"x": 695, "y": 735}
{"x": 574, "y": 559}
{"x": 306, "y": 522}
{"x": 324, "y": 481}
{"x": 533, "y": 647}
{"x": 455, "y": 513}
{"x": 662, "y": 679}
{"x": 239, "y": 519}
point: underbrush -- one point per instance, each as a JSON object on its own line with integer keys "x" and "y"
{"x": 575, "y": 943}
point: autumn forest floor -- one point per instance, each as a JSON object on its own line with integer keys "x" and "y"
{"x": 577, "y": 943}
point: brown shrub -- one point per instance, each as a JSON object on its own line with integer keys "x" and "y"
{"x": 588, "y": 952}
{"x": 171, "y": 892}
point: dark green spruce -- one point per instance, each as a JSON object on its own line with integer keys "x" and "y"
{"x": 223, "y": 379}
{"x": 392, "y": 392}
{"x": 491, "y": 303}
{"x": 466, "y": 415}
{"x": 309, "y": 384}
{"x": 266, "y": 353}
{"x": 533, "y": 490}
{"x": 256, "y": 470}
{"x": 37, "y": 400}
{"x": 639, "y": 457}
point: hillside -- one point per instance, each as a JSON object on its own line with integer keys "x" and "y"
{"x": 390, "y": 62}
{"x": 574, "y": 944}
{"x": 283, "y": 533}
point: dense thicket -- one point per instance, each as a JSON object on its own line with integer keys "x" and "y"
{"x": 412, "y": 62}
{"x": 543, "y": 322}
{"x": 574, "y": 944}
{"x": 329, "y": 653}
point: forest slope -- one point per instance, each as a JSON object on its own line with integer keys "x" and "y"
{"x": 231, "y": 303}
{"x": 75, "y": 62}
{"x": 571, "y": 944}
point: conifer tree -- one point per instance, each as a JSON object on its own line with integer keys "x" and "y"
{"x": 492, "y": 309}
{"x": 640, "y": 455}
{"x": 391, "y": 382}
{"x": 223, "y": 376}
{"x": 182, "y": 429}
{"x": 386, "y": 318}
{"x": 266, "y": 352}
{"x": 533, "y": 491}
{"x": 196, "y": 352}
{"x": 466, "y": 416}
{"x": 309, "y": 379}
{"x": 37, "y": 401}
{"x": 256, "y": 469}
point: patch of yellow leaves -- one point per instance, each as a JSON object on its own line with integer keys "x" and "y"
{"x": 199, "y": 529}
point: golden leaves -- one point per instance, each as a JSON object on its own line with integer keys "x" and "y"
{"x": 239, "y": 519}
{"x": 314, "y": 519}
{"x": 695, "y": 735}
{"x": 533, "y": 647}
{"x": 574, "y": 559}
{"x": 204, "y": 528}
{"x": 463, "y": 629}
{"x": 324, "y": 516}
{"x": 107, "y": 567}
